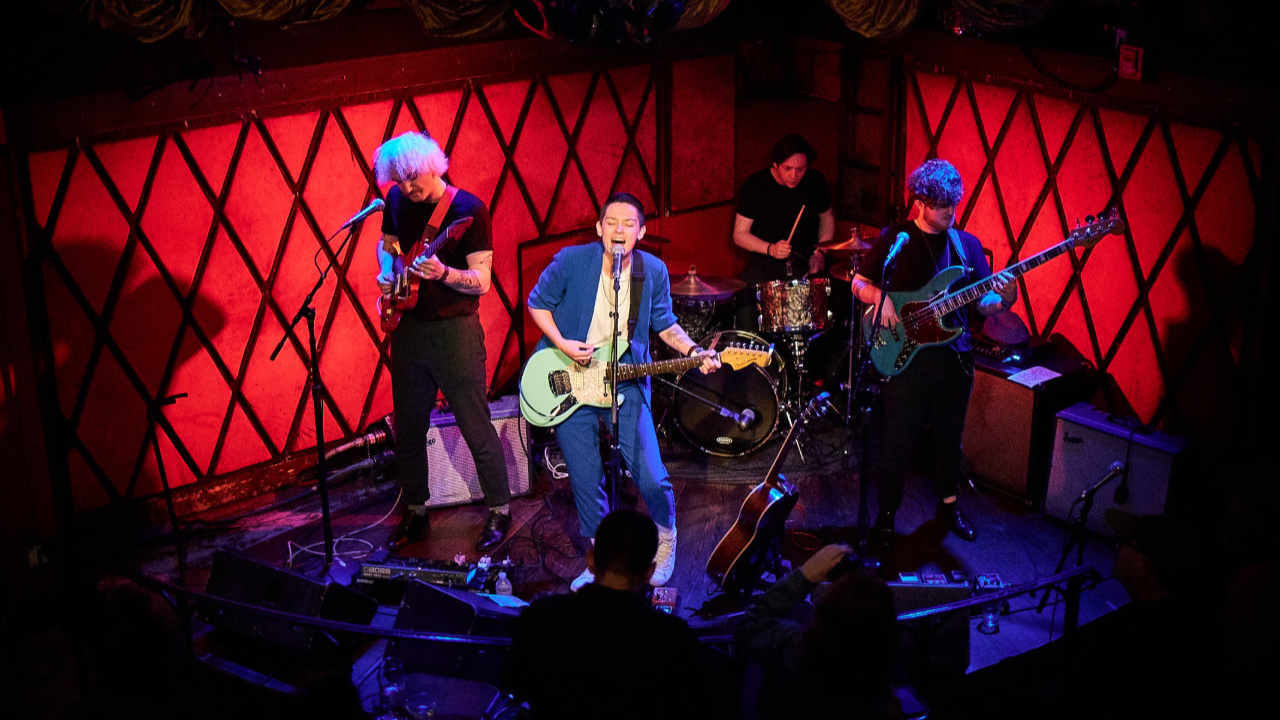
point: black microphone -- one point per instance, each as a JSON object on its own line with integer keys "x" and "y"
{"x": 617, "y": 261}
{"x": 746, "y": 418}
{"x": 371, "y": 208}
{"x": 898, "y": 244}
{"x": 1117, "y": 469}
{"x": 379, "y": 432}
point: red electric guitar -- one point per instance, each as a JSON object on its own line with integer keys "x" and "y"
{"x": 404, "y": 295}
{"x": 736, "y": 563}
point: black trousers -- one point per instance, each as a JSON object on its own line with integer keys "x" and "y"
{"x": 443, "y": 356}
{"x": 933, "y": 391}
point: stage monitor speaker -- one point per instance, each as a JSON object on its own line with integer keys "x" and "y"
{"x": 238, "y": 578}
{"x": 1088, "y": 442}
{"x": 936, "y": 645}
{"x": 430, "y": 608}
{"x": 1008, "y": 432}
{"x": 454, "y": 480}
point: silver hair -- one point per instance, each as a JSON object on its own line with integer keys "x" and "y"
{"x": 408, "y": 155}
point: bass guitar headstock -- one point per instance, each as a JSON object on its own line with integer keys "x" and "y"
{"x": 1087, "y": 235}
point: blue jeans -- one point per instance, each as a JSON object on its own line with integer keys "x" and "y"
{"x": 579, "y": 438}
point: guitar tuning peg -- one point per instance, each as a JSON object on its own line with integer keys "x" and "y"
{"x": 1089, "y": 219}
{"x": 1077, "y": 222}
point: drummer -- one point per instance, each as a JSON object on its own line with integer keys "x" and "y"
{"x": 784, "y": 211}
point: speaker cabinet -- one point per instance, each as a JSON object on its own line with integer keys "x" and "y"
{"x": 1008, "y": 432}
{"x": 1086, "y": 444}
{"x": 430, "y": 608}
{"x": 238, "y": 578}
{"x": 454, "y": 480}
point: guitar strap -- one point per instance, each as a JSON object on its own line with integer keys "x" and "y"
{"x": 437, "y": 218}
{"x": 959, "y": 248}
{"x": 637, "y": 289}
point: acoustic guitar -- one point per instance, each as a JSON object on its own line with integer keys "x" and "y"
{"x": 921, "y": 312}
{"x": 737, "y": 562}
{"x": 404, "y": 293}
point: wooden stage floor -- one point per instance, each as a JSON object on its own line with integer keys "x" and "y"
{"x": 1017, "y": 543}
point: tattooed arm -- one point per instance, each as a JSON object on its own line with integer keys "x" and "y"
{"x": 474, "y": 280}
{"x": 676, "y": 337}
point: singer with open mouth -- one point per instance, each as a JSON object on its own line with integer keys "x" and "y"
{"x": 572, "y": 305}
{"x": 438, "y": 345}
{"x": 934, "y": 387}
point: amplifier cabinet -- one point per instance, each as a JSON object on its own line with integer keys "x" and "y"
{"x": 454, "y": 480}
{"x": 1086, "y": 444}
{"x": 1008, "y": 431}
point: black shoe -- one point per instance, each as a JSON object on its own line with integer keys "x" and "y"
{"x": 883, "y": 533}
{"x": 960, "y": 525}
{"x": 412, "y": 528}
{"x": 494, "y": 531}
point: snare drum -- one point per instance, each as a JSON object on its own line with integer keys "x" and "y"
{"x": 731, "y": 412}
{"x": 788, "y": 306}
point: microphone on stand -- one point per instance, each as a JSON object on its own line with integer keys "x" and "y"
{"x": 898, "y": 243}
{"x": 371, "y": 208}
{"x": 617, "y": 261}
{"x": 1117, "y": 469}
{"x": 746, "y": 418}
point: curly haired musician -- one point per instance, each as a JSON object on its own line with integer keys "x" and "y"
{"x": 439, "y": 343}
{"x": 571, "y": 304}
{"x": 934, "y": 388}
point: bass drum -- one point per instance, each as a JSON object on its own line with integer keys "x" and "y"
{"x": 751, "y": 395}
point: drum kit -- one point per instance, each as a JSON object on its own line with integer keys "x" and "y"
{"x": 730, "y": 413}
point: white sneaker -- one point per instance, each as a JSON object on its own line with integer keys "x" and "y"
{"x": 666, "y": 557}
{"x": 584, "y": 579}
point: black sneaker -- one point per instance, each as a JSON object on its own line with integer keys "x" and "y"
{"x": 412, "y": 528}
{"x": 961, "y": 526}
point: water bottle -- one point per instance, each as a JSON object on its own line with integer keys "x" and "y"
{"x": 503, "y": 585}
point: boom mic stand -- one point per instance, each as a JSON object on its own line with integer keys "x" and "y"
{"x": 1075, "y": 536}
{"x": 317, "y": 386}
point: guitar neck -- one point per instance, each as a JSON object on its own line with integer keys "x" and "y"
{"x": 964, "y": 296}
{"x": 661, "y": 367}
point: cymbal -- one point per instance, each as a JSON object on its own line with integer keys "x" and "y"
{"x": 852, "y": 245}
{"x": 843, "y": 254}
{"x": 844, "y": 271}
{"x": 705, "y": 287}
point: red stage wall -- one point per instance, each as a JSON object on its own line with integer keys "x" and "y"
{"x": 1159, "y": 308}
{"x": 174, "y": 260}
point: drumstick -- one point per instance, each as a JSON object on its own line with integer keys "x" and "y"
{"x": 797, "y": 224}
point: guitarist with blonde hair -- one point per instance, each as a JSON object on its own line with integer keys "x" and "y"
{"x": 572, "y": 305}
{"x": 933, "y": 388}
{"x": 438, "y": 343}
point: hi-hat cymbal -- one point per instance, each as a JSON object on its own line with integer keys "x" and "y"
{"x": 705, "y": 287}
{"x": 844, "y": 271}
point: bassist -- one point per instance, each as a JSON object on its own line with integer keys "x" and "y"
{"x": 438, "y": 345}
{"x": 571, "y": 304}
{"x": 933, "y": 390}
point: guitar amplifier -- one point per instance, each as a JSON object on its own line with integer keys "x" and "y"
{"x": 1086, "y": 444}
{"x": 454, "y": 480}
{"x": 1008, "y": 431}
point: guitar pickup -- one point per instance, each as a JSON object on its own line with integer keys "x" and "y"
{"x": 559, "y": 382}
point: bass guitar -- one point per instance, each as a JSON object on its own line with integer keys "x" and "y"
{"x": 404, "y": 293}
{"x": 922, "y": 311}
{"x": 553, "y": 386}
{"x": 737, "y": 562}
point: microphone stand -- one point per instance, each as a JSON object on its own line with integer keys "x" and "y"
{"x": 864, "y": 428}
{"x": 1075, "y": 535}
{"x": 615, "y": 447}
{"x": 317, "y": 385}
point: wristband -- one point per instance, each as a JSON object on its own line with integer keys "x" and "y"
{"x": 693, "y": 351}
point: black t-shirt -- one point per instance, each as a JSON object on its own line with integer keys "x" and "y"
{"x": 772, "y": 209}
{"x": 924, "y": 256}
{"x": 406, "y": 220}
{"x": 603, "y": 653}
